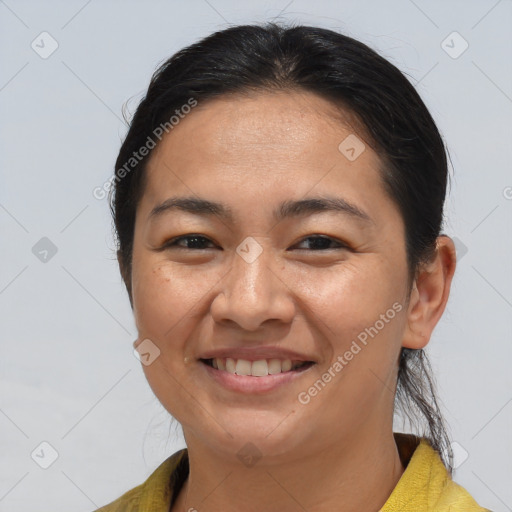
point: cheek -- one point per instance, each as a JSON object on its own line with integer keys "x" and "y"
{"x": 360, "y": 311}
{"x": 153, "y": 299}
{"x": 341, "y": 299}
{"x": 351, "y": 296}
{"x": 165, "y": 295}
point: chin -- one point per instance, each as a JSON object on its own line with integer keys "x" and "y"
{"x": 268, "y": 435}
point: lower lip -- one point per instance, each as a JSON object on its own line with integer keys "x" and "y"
{"x": 251, "y": 384}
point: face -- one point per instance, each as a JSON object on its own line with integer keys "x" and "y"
{"x": 266, "y": 279}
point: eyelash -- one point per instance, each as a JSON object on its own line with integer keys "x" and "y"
{"x": 173, "y": 243}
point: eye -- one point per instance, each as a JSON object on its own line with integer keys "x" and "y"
{"x": 323, "y": 242}
{"x": 192, "y": 242}
{"x": 199, "y": 242}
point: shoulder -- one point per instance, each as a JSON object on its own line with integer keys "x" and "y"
{"x": 427, "y": 486}
{"x": 443, "y": 493}
{"x": 454, "y": 498}
{"x": 154, "y": 494}
{"x": 128, "y": 502}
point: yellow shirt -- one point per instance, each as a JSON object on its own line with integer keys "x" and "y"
{"x": 425, "y": 485}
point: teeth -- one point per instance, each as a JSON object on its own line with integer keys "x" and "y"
{"x": 243, "y": 367}
{"x": 274, "y": 366}
{"x": 230, "y": 365}
{"x": 260, "y": 368}
{"x": 286, "y": 365}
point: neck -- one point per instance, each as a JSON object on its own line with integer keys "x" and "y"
{"x": 350, "y": 477}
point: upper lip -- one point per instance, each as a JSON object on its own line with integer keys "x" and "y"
{"x": 256, "y": 354}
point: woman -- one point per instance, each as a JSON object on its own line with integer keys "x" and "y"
{"x": 278, "y": 205}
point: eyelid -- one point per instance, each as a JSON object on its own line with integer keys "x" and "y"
{"x": 173, "y": 242}
{"x": 340, "y": 243}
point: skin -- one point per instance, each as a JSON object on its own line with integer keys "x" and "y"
{"x": 251, "y": 153}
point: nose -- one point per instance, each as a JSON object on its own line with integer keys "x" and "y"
{"x": 253, "y": 293}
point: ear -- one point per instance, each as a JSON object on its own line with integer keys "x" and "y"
{"x": 430, "y": 294}
{"x": 126, "y": 276}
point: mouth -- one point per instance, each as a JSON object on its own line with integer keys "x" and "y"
{"x": 259, "y": 368}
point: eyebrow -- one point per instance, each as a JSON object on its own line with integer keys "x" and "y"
{"x": 287, "y": 209}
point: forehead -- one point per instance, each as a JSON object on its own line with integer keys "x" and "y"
{"x": 283, "y": 120}
{"x": 265, "y": 133}
{"x": 262, "y": 150}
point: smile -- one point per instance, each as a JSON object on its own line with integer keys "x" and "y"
{"x": 254, "y": 377}
{"x": 260, "y": 368}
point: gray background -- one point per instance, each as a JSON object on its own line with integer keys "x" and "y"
{"x": 68, "y": 373}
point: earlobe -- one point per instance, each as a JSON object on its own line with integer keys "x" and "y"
{"x": 413, "y": 335}
{"x": 429, "y": 295}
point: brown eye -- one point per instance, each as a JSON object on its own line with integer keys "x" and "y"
{"x": 192, "y": 242}
{"x": 320, "y": 243}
